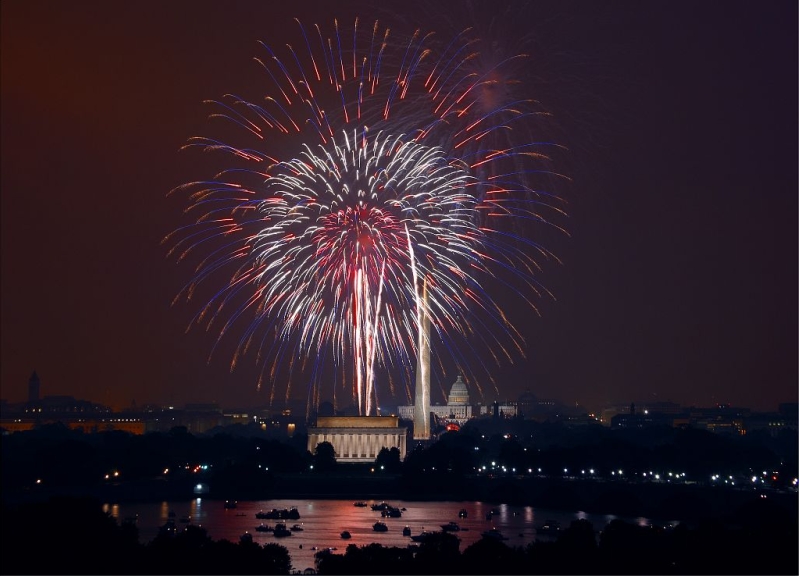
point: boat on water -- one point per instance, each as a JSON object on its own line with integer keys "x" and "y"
{"x": 297, "y": 528}
{"x": 380, "y": 507}
{"x": 169, "y": 528}
{"x": 346, "y": 535}
{"x": 281, "y": 530}
{"x": 406, "y": 531}
{"x": 391, "y": 512}
{"x": 493, "y": 533}
{"x": 423, "y": 536}
{"x": 380, "y": 527}
{"x": 275, "y": 514}
{"x": 264, "y": 528}
{"x": 360, "y": 504}
{"x": 462, "y": 513}
{"x": 550, "y": 527}
{"x": 450, "y": 527}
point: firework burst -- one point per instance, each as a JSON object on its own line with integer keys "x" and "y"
{"x": 367, "y": 177}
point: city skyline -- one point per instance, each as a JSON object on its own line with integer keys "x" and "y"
{"x": 678, "y": 280}
{"x": 36, "y": 395}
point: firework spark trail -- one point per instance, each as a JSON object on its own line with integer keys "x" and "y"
{"x": 327, "y": 247}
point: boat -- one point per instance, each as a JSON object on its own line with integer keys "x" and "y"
{"x": 346, "y": 535}
{"x": 462, "y": 513}
{"x": 246, "y": 538}
{"x": 297, "y": 528}
{"x": 391, "y": 512}
{"x": 550, "y": 527}
{"x": 169, "y": 528}
{"x": 380, "y": 507}
{"x": 406, "y": 531}
{"x": 230, "y": 504}
{"x": 360, "y": 504}
{"x": 380, "y": 527}
{"x": 493, "y": 533}
{"x": 275, "y": 514}
{"x": 264, "y": 528}
{"x": 423, "y": 536}
{"x": 281, "y": 530}
{"x": 450, "y": 527}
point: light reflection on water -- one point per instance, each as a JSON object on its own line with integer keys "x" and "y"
{"x": 324, "y": 520}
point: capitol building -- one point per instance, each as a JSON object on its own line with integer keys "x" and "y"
{"x": 457, "y": 409}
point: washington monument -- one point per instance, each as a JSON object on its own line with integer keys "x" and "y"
{"x": 421, "y": 408}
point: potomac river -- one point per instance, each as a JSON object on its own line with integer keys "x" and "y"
{"x": 323, "y": 520}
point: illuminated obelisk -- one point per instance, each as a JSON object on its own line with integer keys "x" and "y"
{"x": 421, "y": 406}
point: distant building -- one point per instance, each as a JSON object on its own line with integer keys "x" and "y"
{"x": 500, "y": 409}
{"x": 771, "y": 422}
{"x": 33, "y": 387}
{"x": 640, "y": 419}
{"x": 608, "y": 412}
{"x": 457, "y": 409}
{"x": 358, "y": 438}
{"x": 790, "y": 412}
{"x": 89, "y": 425}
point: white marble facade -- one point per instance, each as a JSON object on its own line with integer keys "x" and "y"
{"x": 358, "y": 439}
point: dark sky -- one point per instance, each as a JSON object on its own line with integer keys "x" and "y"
{"x": 678, "y": 282}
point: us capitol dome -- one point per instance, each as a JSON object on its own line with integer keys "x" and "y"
{"x": 457, "y": 409}
{"x": 458, "y": 394}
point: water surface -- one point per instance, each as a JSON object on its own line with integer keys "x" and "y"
{"x": 324, "y": 520}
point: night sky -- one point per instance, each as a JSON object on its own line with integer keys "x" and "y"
{"x": 678, "y": 281}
